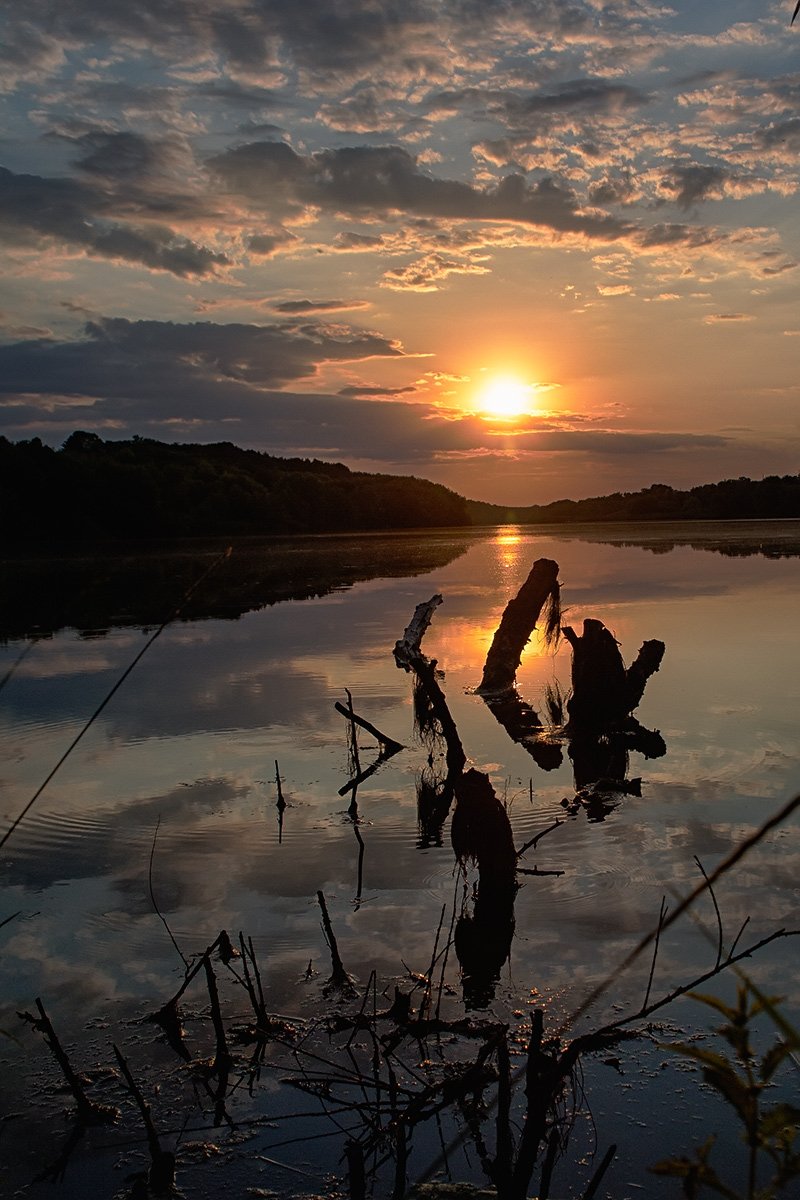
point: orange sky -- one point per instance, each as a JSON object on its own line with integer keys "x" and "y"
{"x": 325, "y": 232}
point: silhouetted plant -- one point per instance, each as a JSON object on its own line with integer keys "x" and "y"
{"x": 769, "y": 1132}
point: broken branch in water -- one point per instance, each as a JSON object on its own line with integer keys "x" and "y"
{"x": 89, "y": 1113}
{"x": 157, "y": 910}
{"x": 222, "y": 1056}
{"x": 161, "y": 1176}
{"x": 339, "y": 979}
{"x": 534, "y": 841}
{"x": 432, "y": 715}
{"x": 388, "y": 745}
{"x": 539, "y": 592}
{"x": 354, "y": 784}
{"x": 408, "y": 647}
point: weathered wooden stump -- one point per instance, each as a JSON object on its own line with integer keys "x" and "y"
{"x": 604, "y": 691}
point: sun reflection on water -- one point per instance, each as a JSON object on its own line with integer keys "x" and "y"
{"x": 508, "y": 546}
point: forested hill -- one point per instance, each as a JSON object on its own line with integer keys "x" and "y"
{"x": 91, "y": 489}
{"x": 732, "y": 499}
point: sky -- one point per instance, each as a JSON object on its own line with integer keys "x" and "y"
{"x": 531, "y": 249}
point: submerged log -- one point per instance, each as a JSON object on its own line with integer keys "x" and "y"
{"x": 540, "y": 589}
{"x": 604, "y": 692}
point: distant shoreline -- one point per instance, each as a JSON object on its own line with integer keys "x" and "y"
{"x": 143, "y": 491}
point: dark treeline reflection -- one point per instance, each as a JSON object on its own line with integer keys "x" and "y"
{"x": 99, "y": 589}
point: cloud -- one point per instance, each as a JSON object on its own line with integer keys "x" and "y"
{"x": 221, "y": 382}
{"x": 592, "y": 97}
{"x": 35, "y": 212}
{"x": 312, "y": 306}
{"x": 426, "y": 274}
{"x": 695, "y": 182}
{"x": 386, "y": 180}
{"x": 158, "y": 372}
{"x": 783, "y": 136}
{"x": 377, "y": 392}
{"x": 726, "y": 318}
{"x": 615, "y": 289}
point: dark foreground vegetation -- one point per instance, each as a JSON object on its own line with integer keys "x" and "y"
{"x": 92, "y": 490}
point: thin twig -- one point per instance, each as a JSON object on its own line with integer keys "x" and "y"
{"x": 426, "y": 995}
{"x": 661, "y": 916}
{"x": 353, "y": 747}
{"x": 716, "y": 910}
{"x": 534, "y": 841}
{"x": 360, "y": 1012}
{"x": 597, "y": 1178}
{"x": 162, "y": 1169}
{"x": 745, "y": 923}
{"x": 445, "y": 956}
{"x": 158, "y": 911}
{"x": 721, "y": 869}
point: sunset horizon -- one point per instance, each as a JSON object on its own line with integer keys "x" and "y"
{"x": 525, "y": 249}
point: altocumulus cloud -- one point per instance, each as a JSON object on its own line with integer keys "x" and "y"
{"x": 387, "y": 179}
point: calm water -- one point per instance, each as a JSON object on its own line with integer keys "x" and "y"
{"x": 187, "y": 748}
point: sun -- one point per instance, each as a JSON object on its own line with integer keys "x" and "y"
{"x": 505, "y": 398}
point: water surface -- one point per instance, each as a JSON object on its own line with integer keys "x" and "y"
{"x": 171, "y": 795}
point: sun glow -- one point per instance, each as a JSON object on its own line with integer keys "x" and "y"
{"x": 505, "y": 398}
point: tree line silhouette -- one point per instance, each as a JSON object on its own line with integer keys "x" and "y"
{"x": 776, "y": 496}
{"x": 140, "y": 488}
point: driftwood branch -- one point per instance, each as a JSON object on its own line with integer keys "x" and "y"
{"x": 89, "y": 1113}
{"x": 162, "y": 1163}
{"x": 388, "y": 745}
{"x": 408, "y": 647}
{"x": 519, "y": 619}
{"x": 430, "y": 702}
{"x": 339, "y": 979}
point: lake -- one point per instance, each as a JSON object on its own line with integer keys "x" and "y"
{"x": 162, "y": 828}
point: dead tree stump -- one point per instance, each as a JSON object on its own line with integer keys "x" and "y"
{"x": 604, "y": 691}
